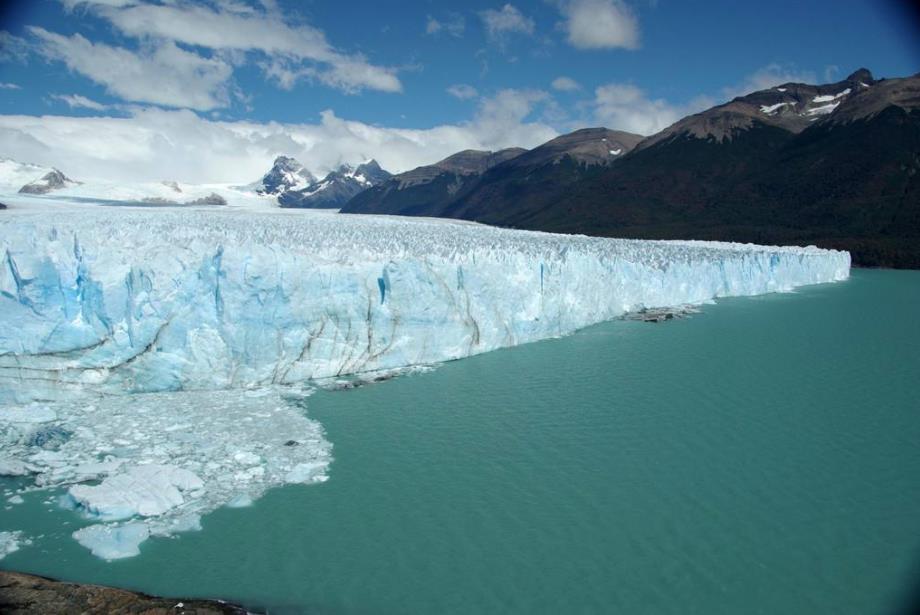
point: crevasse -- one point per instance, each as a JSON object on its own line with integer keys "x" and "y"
{"x": 148, "y": 301}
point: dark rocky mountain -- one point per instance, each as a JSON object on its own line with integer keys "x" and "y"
{"x": 337, "y": 188}
{"x": 286, "y": 174}
{"x": 835, "y": 165}
{"x": 792, "y": 107}
{"x": 53, "y": 180}
{"x": 424, "y": 190}
{"x": 531, "y": 181}
{"x": 510, "y": 176}
{"x": 849, "y": 179}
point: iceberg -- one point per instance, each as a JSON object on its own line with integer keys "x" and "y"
{"x": 136, "y": 301}
{"x": 10, "y": 542}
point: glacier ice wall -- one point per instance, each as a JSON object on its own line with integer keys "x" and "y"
{"x": 146, "y": 301}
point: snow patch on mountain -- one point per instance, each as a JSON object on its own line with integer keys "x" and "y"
{"x": 830, "y": 97}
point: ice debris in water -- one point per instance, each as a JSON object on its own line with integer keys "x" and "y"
{"x": 143, "y": 301}
{"x": 151, "y": 464}
{"x": 10, "y": 542}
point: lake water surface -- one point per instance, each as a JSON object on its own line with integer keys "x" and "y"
{"x": 760, "y": 457}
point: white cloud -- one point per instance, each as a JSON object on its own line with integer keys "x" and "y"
{"x": 154, "y": 144}
{"x": 13, "y": 48}
{"x": 507, "y": 20}
{"x": 76, "y": 101}
{"x": 432, "y": 26}
{"x": 455, "y": 25}
{"x": 767, "y": 77}
{"x": 229, "y": 28}
{"x": 164, "y": 74}
{"x": 623, "y": 106}
{"x": 9, "y": 86}
{"x": 462, "y": 91}
{"x": 600, "y": 24}
{"x": 565, "y": 84}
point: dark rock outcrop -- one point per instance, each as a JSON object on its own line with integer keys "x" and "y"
{"x": 25, "y": 594}
{"x": 52, "y": 180}
{"x": 211, "y": 199}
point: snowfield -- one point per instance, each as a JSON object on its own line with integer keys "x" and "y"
{"x": 216, "y": 321}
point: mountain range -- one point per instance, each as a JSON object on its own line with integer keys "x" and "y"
{"x": 296, "y": 187}
{"x": 834, "y": 165}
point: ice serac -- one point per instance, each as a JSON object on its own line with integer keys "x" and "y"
{"x": 161, "y": 301}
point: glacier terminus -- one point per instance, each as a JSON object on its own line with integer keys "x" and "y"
{"x": 154, "y": 363}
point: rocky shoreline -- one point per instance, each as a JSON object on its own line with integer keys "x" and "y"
{"x": 23, "y": 594}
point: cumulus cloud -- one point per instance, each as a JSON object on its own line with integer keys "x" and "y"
{"x": 164, "y": 74}
{"x": 565, "y": 84}
{"x": 623, "y": 106}
{"x": 506, "y": 20}
{"x": 600, "y": 24}
{"x": 76, "y": 101}
{"x": 462, "y": 91}
{"x": 154, "y": 144}
{"x": 234, "y": 27}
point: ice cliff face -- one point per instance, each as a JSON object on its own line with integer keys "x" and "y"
{"x": 158, "y": 301}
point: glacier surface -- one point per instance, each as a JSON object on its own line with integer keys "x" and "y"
{"x": 153, "y": 362}
{"x": 138, "y": 301}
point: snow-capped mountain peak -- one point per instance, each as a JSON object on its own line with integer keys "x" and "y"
{"x": 286, "y": 174}
{"x": 337, "y": 187}
{"x": 52, "y": 180}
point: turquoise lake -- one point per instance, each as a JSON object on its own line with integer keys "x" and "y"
{"x": 762, "y": 456}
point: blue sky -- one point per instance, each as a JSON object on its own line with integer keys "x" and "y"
{"x": 493, "y": 73}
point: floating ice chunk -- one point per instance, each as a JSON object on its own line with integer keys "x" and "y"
{"x": 31, "y": 413}
{"x": 10, "y": 542}
{"x": 173, "y": 457}
{"x": 16, "y": 499}
{"x": 14, "y": 467}
{"x": 167, "y": 527}
{"x": 306, "y": 473}
{"x": 147, "y": 490}
{"x": 113, "y": 542}
{"x": 241, "y": 501}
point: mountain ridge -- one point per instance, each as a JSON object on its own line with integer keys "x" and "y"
{"x": 836, "y": 165}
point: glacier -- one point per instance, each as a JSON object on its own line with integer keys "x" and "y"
{"x": 136, "y": 301}
{"x": 154, "y": 363}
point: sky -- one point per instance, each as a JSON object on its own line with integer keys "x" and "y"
{"x": 212, "y": 91}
